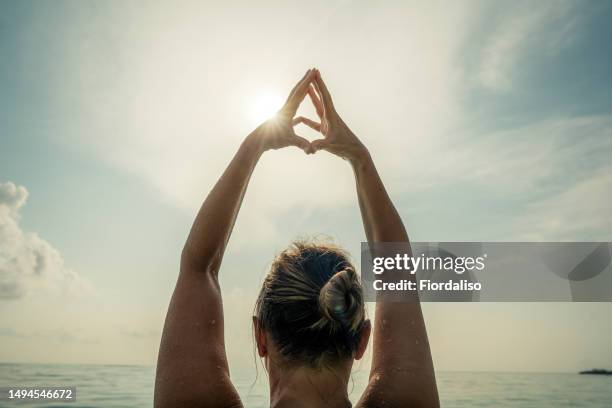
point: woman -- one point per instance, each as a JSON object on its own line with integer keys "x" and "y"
{"x": 309, "y": 321}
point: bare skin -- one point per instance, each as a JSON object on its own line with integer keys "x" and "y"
{"x": 192, "y": 369}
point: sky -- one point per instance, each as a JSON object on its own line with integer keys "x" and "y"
{"x": 488, "y": 121}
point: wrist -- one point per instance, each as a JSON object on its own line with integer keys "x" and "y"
{"x": 253, "y": 144}
{"x": 360, "y": 158}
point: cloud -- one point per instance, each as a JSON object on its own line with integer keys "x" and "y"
{"x": 12, "y": 197}
{"x": 551, "y": 178}
{"x": 543, "y": 25}
{"x": 545, "y": 156}
{"x": 582, "y": 212}
{"x": 28, "y": 262}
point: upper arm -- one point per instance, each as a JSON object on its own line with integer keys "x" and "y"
{"x": 192, "y": 367}
{"x": 402, "y": 371}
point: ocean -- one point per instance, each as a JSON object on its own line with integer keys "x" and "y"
{"x": 113, "y": 386}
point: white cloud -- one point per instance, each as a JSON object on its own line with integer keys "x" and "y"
{"x": 537, "y": 158}
{"x": 28, "y": 262}
{"x": 544, "y": 25}
{"x": 582, "y": 212}
{"x": 12, "y": 197}
{"x": 555, "y": 174}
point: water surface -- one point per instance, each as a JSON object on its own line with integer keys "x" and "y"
{"x": 132, "y": 386}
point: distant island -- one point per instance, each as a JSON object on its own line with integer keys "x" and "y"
{"x": 597, "y": 371}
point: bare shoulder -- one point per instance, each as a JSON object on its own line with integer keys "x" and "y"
{"x": 373, "y": 397}
{"x": 221, "y": 395}
{"x": 384, "y": 392}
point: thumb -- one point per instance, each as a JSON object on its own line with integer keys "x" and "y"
{"x": 319, "y": 144}
{"x": 300, "y": 142}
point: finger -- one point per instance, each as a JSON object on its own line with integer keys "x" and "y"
{"x": 318, "y": 92}
{"x": 300, "y": 142}
{"x": 319, "y": 144}
{"x": 298, "y": 94}
{"x": 299, "y": 82}
{"x": 301, "y": 88}
{"x": 323, "y": 91}
{"x": 308, "y": 122}
{"x": 316, "y": 101}
{"x": 293, "y": 91}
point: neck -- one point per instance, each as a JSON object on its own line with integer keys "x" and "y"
{"x": 303, "y": 386}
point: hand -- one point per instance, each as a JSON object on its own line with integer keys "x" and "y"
{"x": 338, "y": 138}
{"x": 278, "y": 131}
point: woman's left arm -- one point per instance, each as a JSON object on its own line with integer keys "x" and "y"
{"x": 192, "y": 367}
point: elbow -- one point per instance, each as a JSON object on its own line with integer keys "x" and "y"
{"x": 199, "y": 260}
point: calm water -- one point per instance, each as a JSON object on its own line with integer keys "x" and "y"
{"x": 132, "y": 386}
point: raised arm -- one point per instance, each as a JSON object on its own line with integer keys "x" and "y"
{"x": 402, "y": 372}
{"x": 192, "y": 367}
{"x": 402, "y": 367}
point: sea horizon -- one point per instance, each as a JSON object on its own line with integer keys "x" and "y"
{"x": 244, "y": 367}
{"x": 123, "y": 385}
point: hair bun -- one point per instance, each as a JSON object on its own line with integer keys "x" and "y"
{"x": 341, "y": 300}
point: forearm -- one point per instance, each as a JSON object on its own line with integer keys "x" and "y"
{"x": 381, "y": 220}
{"x": 213, "y": 225}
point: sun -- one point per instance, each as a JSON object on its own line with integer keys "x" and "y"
{"x": 264, "y": 106}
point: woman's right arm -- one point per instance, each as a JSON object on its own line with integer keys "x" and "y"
{"x": 402, "y": 372}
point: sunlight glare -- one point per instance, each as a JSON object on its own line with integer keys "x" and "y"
{"x": 265, "y": 106}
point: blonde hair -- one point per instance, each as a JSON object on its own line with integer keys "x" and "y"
{"x": 311, "y": 302}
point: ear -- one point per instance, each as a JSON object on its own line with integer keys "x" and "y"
{"x": 260, "y": 338}
{"x": 363, "y": 339}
